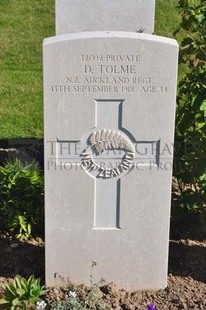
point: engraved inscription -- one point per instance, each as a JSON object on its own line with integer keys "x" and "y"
{"x": 110, "y": 73}
{"x": 111, "y": 58}
{"x": 115, "y": 69}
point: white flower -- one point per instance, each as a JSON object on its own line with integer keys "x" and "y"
{"x": 40, "y": 305}
{"x": 72, "y": 294}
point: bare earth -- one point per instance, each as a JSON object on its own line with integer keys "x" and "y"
{"x": 186, "y": 280}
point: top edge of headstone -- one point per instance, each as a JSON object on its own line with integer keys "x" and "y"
{"x": 109, "y": 34}
{"x": 95, "y": 15}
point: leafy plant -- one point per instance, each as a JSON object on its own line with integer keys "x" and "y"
{"x": 21, "y": 198}
{"x": 22, "y": 293}
{"x": 73, "y": 303}
{"x": 190, "y": 148}
{"x": 78, "y": 302}
{"x": 92, "y": 301}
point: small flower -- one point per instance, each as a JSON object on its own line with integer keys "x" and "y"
{"x": 151, "y": 307}
{"x": 72, "y": 294}
{"x": 40, "y": 305}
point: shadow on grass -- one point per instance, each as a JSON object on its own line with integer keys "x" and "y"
{"x": 23, "y": 149}
{"x": 21, "y": 258}
{"x": 187, "y": 251}
{"x": 187, "y": 258}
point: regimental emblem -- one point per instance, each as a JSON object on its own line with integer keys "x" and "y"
{"x": 107, "y": 140}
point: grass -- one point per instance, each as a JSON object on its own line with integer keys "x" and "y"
{"x": 167, "y": 17}
{"x": 23, "y": 26}
{"x": 167, "y": 20}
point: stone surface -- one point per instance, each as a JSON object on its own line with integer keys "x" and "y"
{"x": 116, "y": 15}
{"x": 109, "y": 126}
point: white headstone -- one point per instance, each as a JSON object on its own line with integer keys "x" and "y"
{"x": 95, "y": 15}
{"x": 109, "y": 126}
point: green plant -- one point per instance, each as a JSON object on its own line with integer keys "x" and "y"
{"x": 25, "y": 228}
{"x": 190, "y": 145}
{"x": 22, "y": 293}
{"x": 21, "y": 198}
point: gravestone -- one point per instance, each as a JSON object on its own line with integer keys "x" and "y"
{"x": 109, "y": 126}
{"x": 92, "y": 15}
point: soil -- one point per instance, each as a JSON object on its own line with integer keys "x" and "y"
{"x": 186, "y": 278}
